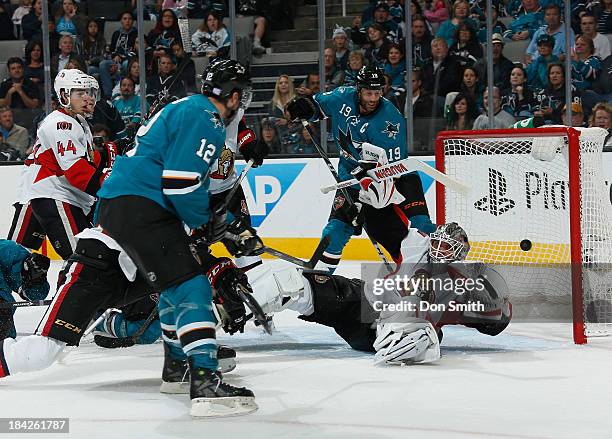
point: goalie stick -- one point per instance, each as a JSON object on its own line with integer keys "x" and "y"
{"x": 346, "y": 194}
{"x": 397, "y": 169}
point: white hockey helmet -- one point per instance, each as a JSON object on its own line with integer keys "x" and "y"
{"x": 448, "y": 243}
{"x": 70, "y": 79}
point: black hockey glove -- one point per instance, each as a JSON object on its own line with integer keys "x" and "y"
{"x": 215, "y": 230}
{"x": 34, "y": 271}
{"x": 300, "y": 108}
{"x": 242, "y": 240}
{"x": 251, "y": 148}
{"x": 225, "y": 279}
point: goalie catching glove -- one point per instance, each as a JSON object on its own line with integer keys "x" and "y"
{"x": 376, "y": 193}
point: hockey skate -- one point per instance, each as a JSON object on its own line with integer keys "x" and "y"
{"x": 211, "y": 397}
{"x": 175, "y": 374}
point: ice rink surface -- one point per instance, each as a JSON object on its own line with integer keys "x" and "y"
{"x": 529, "y": 382}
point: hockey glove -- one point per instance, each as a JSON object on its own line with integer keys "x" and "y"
{"x": 215, "y": 230}
{"x": 251, "y": 148}
{"x": 225, "y": 278}
{"x": 34, "y": 270}
{"x": 300, "y": 108}
{"x": 242, "y": 240}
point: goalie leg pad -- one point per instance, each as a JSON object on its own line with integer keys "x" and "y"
{"x": 406, "y": 343}
{"x": 28, "y": 354}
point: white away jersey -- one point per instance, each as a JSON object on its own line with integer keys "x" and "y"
{"x": 222, "y": 172}
{"x": 64, "y": 162}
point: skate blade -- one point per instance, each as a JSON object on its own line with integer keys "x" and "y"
{"x": 226, "y": 365}
{"x": 221, "y": 407}
{"x": 174, "y": 388}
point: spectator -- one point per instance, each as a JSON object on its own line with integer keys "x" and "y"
{"x": 283, "y": 93}
{"x": 396, "y": 67}
{"x": 466, "y": 49}
{"x": 269, "y": 136}
{"x": 421, "y": 41}
{"x": 333, "y": 76}
{"x": 133, "y": 72}
{"x": 528, "y": 18}
{"x": 602, "y": 117}
{"x": 175, "y": 6}
{"x": 498, "y": 26}
{"x": 303, "y": 145}
{"x": 67, "y": 22}
{"x": 165, "y": 86}
{"x": 436, "y": 12}
{"x": 462, "y": 113}
{"x": 460, "y": 12}
{"x": 151, "y": 8}
{"x": 310, "y": 86}
{"x": 34, "y": 69}
{"x": 356, "y": 61}
{"x": 553, "y": 28}
{"x": 254, "y": 8}
{"x": 122, "y": 42}
{"x": 12, "y": 135}
{"x": 92, "y": 47}
{"x": 17, "y": 91}
{"x": 104, "y": 113}
{"x": 603, "y": 12}
{"x": 472, "y": 87}
{"x": 585, "y": 65}
{"x": 501, "y": 65}
{"x": 340, "y": 42}
{"x": 6, "y": 24}
{"x": 537, "y": 71}
{"x": 551, "y": 99}
{"x": 383, "y": 17}
{"x": 577, "y": 116}
{"x": 422, "y": 102}
{"x": 185, "y": 67}
{"x": 128, "y": 103}
{"x": 25, "y": 6}
{"x": 378, "y": 45}
{"x": 211, "y": 39}
{"x": 30, "y": 23}
{"x": 164, "y": 33}
{"x": 66, "y": 52}
{"x": 588, "y": 26}
{"x": 442, "y": 74}
{"x": 519, "y": 99}
{"x": 501, "y": 119}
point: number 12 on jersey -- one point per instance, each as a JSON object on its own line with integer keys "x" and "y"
{"x": 206, "y": 152}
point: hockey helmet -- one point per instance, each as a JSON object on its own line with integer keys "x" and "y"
{"x": 223, "y": 77}
{"x": 71, "y": 79}
{"x": 448, "y": 243}
{"x": 371, "y": 78}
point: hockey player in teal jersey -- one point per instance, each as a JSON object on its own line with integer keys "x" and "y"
{"x": 361, "y": 115}
{"x": 160, "y": 186}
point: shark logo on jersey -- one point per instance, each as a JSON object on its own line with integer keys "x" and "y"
{"x": 346, "y": 140}
{"x": 495, "y": 203}
{"x": 215, "y": 118}
{"x": 391, "y": 130}
{"x": 353, "y": 120}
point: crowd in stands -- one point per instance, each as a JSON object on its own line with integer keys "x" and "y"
{"x": 448, "y": 51}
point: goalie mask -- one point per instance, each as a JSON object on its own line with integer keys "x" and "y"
{"x": 448, "y": 243}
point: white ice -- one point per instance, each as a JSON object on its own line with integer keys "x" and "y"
{"x": 529, "y": 382}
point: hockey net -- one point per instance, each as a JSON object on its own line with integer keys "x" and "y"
{"x": 539, "y": 211}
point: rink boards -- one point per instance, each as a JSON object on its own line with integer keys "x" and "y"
{"x": 284, "y": 199}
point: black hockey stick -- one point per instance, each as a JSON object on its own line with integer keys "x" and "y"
{"x": 126, "y": 342}
{"x": 344, "y": 191}
{"x": 260, "y": 317}
{"x": 25, "y": 304}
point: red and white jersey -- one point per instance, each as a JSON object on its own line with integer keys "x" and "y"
{"x": 64, "y": 165}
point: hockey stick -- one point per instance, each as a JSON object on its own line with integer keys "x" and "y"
{"x": 310, "y": 264}
{"x": 403, "y": 167}
{"x": 343, "y": 190}
{"x": 230, "y": 195}
{"x": 258, "y": 314}
{"x": 125, "y": 342}
{"x": 25, "y": 304}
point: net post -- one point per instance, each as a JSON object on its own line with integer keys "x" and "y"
{"x": 440, "y": 189}
{"x": 575, "y": 195}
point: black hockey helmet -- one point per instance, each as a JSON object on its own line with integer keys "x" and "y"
{"x": 222, "y": 78}
{"x": 371, "y": 78}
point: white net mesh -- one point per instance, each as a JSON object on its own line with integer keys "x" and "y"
{"x": 517, "y": 216}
